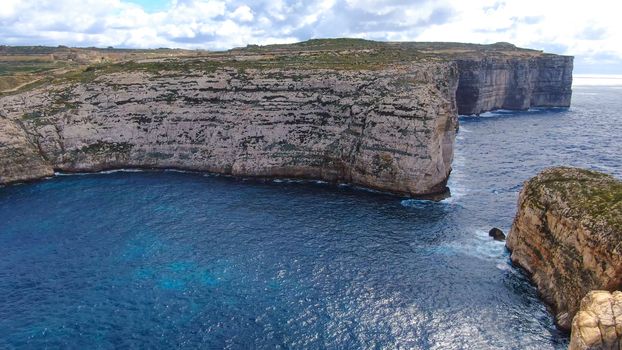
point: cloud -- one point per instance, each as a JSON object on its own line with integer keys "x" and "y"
{"x": 212, "y": 24}
{"x": 593, "y": 33}
{"x": 566, "y": 27}
{"x": 559, "y": 26}
{"x": 243, "y": 13}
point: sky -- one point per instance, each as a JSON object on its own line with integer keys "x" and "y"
{"x": 589, "y": 30}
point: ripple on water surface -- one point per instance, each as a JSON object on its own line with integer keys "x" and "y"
{"x": 165, "y": 259}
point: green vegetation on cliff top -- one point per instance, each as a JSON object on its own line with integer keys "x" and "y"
{"x": 344, "y": 54}
{"x": 592, "y": 197}
{"x": 362, "y": 44}
{"x": 25, "y": 67}
{"x": 84, "y": 65}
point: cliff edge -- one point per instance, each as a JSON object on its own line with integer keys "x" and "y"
{"x": 380, "y": 115}
{"x": 568, "y": 235}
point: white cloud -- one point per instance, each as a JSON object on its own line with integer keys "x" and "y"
{"x": 243, "y": 13}
{"x": 8, "y": 9}
{"x": 592, "y": 31}
{"x": 586, "y": 30}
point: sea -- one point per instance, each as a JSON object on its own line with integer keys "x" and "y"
{"x": 167, "y": 259}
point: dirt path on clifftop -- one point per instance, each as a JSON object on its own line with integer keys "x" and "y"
{"x": 51, "y": 73}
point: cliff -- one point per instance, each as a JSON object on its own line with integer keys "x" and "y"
{"x": 598, "y": 324}
{"x": 390, "y": 129}
{"x": 20, "y": 159}
{"x": 380, "y": 115}
{"x": 567, "y": 235}
{"x": 489, "y": 84}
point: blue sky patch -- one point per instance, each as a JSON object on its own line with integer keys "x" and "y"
{"x": 152, "y": 5}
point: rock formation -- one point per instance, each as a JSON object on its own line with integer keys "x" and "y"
{"x": 20, "y": 159}
{"x": 497, "y": 234}
{"x": 568, "y": 235}
{"x": 380, "y": 115}
{"x": 493, "y": 83}
{"x": 598, "y": 324}
{"x": 391, "y": 129}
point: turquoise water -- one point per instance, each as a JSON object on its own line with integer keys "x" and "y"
{"x": 182, "y": 260}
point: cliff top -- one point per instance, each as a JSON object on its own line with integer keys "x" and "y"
{"x": 593, "y": 198}
{"x": 416, "y": 49}
{"x": 23, "y": 66}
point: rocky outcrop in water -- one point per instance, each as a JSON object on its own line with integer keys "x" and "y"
{"x": 380, "y": 115}
{"x": 567, "y": 234}
{"x": 598, "y": 324}
{"x": 496, "y": 234}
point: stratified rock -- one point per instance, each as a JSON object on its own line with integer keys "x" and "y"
{"x": 514, "y": 83}
{"x": 20, "y": 158}
{"x": 390, "y": 129}
{"x": 497, "y": 234}
{"x": 380, "y": 115}
{"x": 598, "y": 324}
{"x": 567, "y": 233}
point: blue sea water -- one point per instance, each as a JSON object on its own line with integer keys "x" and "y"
{"x": 182, "y": 260}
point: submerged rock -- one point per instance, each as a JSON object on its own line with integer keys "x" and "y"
{"x": 497, "y": 234}
{"x": 568, "y": 235}
{"x": 598, "y": 324}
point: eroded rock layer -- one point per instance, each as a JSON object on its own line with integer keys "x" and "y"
{"x": 568, "y": 235}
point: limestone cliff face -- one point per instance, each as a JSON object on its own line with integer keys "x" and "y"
{"x": 20, "y": 159}
{"x": 514, "y": 83}
{"x": 567, "y": 234}
{"x": 598, "y": 324}
{"x": 380, "y": 115}
{"x": 390, "y": 129}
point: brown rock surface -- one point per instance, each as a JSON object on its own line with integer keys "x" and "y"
{"x": 598, "y": 324}
{"x": 568, "y": 235}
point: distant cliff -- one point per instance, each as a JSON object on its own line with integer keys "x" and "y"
{"x": 380, "y": 115}
{"x": 567, "y": 234}
{"x": 493, "y": 83}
